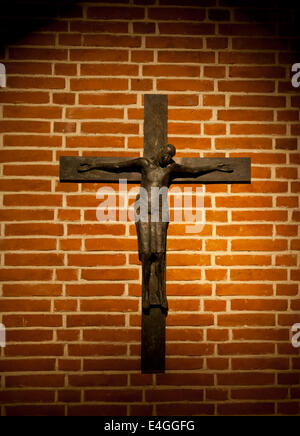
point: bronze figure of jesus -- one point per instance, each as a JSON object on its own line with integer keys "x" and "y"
{"x": 152, "y": 221}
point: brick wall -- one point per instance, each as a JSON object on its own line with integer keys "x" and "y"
{"x": 70, "y": 286}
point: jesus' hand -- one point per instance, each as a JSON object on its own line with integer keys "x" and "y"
{"x": 224, "y": 168}
{"x": 83, "y": 167}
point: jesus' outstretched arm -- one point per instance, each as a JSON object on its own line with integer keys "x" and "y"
{"x": 132, "y": 165}
{"x": 187, "y": 171}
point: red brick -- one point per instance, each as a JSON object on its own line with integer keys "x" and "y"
{"x": 72, "y": 39}
{"x": 217, "y": 43}
{"x": 142, "y": 56}
{"x": 245, "y": 115}
{"x": 95, "y": 320}
{"x": 258, "y": 129}
{"x": 31, "y": 290}
{"x": 186, "y": 56}
{"x": 101, "y": 127}
{"x": 9, "y": 185}
{"x": 259, "y": 245}
{"x": 96, "y": 84}
{"x": 113, "y": 13}
{"x": 171, "y": 70}
{"x": 242, "y": 202}
{"x": 248, "y": 289}
{"x": 49, "y": 259}
{"x": 286, "y": 143}
{"x": 25, "y": 156}
{"x": 88, "y": 26}
{"x": 262, "y": 86}
{"x": 214, "y": 100}
{"x": 263, "y": 158}
{"x": 257, "y": 72}
{"x": 243, "y": 260}
{"x": 188, "y": 28}
{"x": 214, "y": 72}
{"x": 141, "y": 84}
{"x": 109, "y": 70}
{"x": 19, "y": 97}
{"x": 93, "y": 113}
{"x": 98, "y": 55}
{"x": 245, "y": 348}
{"x": 32, "y": 141}
{"x": 40, "y": 410}
{"x": 32, "y": 320}
{"x": 258, "y": 187}
{"x": 186, "y": 379}
{"x": 106, "y": 99}
{"x": 245, "y": 230}
{"x": 32, "y": 112}
{"x": 29, "y": 335}
{"x": 95, "y": 410}
{"x": 28, "y": 68}
{"x": 36, "y": 381}
{"x": 214, "y": 306}
{"x": 173, "y": 42}
{"x": 25, "y": 126}
{"x": 95, "y": 259}
{"x": 39, "y": 54}
{"x": 20, "y": 305}
{"x": 234, "y": 320}
{"x": 63, "y": 98}
{"x": 32, "y": 200}
{"x": 166, "y": 395}
{"x": 173, "y": 14}
{"x": 257, "y": 101}
{"x": 246, "y": 58}
{"x": 110, "y": 274}
{"x": 34, "y": 229}
{"x": 144, "y": 28}
{"x": 259, "y": 216}
{"x": 111, "y": 41}
{"x": 215, "y": 129}
{"x": 258, "y": 275}
{"x": 259, "y": 305}
{"x": 189, "y": 320}
{"x": 184, "y": 85}
{"x": 36, "y": 83}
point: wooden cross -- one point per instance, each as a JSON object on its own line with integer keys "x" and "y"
{"x": 155, "y": 137}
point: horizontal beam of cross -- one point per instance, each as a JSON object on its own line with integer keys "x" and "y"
{"x": 69, "y": 171}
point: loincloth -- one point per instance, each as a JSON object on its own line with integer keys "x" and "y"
{"x": 152, "y": 237}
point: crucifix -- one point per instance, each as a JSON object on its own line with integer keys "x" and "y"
{"x": 156, "y": 170}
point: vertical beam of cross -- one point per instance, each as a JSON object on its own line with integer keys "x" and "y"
{"x": 154, "y": 319}
{"x": 155, "y": 123}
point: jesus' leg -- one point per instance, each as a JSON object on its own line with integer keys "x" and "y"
{"x": 161, "y": 268}
{"x": 146, "y": 268}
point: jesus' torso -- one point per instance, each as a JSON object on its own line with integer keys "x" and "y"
{"x": 154, "y": 179}
{"x": 154, "y": 175}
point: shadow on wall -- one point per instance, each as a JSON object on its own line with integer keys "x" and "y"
{"x": 19, "y": 18}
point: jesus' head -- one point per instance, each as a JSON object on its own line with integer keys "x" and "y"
{"x": 167, "y": 155}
